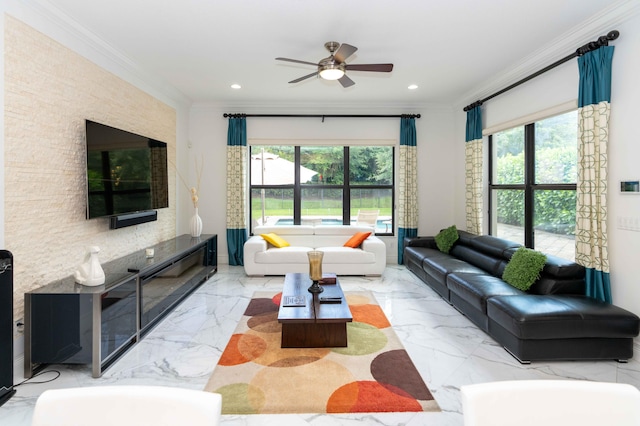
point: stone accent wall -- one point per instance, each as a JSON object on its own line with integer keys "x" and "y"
{"x": 49, "y": 92}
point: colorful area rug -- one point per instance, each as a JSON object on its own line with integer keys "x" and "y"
{"x": 373, "y": 374}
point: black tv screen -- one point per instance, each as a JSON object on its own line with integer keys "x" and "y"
{"x": 126, "y": 172}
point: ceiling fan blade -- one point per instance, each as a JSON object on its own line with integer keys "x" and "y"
{"x": 297, "y": 61}
{"x": 346, "y": 81}
{"x": 344, "y": 51}
{"x": 304, "y": 77}
{"x": 370, "y": 67}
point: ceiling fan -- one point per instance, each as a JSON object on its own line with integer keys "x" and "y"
{"x": 334, "y": 66}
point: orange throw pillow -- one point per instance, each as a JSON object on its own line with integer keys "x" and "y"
{"x": 357, "y": 239}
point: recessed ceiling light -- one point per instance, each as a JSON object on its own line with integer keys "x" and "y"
{"x": 236, "y": 86}
{"x": 412, "y": 87}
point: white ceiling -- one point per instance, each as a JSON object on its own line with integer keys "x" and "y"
{"x": 449, "y": 48}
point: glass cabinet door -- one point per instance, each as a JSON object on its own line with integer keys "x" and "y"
{"x": 118, "y": 320}
{"x": 161, "y": 291}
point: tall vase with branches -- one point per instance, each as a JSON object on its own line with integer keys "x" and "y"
{"x": 195, "y": 224}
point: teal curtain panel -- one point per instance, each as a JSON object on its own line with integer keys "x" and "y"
{"x": 236, "y": 189}
{"x": 594, "y": 111}
{"x": 473, "y": 171}
{"x": 407, "y": 184}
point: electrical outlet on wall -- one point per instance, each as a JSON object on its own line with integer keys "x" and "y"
{"x": 18, "y": 327}
{"x": 629, "y": 223}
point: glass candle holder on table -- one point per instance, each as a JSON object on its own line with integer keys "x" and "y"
{"x": 315, "y": 270}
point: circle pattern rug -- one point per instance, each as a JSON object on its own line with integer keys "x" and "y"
{"x": 372, "y": 374}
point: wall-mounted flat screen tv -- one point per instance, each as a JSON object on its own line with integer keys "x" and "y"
{"x": 126, "y": 172}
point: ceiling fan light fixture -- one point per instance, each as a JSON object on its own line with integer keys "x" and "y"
{"x": 334, "y": 67}
{"x": 331, "y": 71}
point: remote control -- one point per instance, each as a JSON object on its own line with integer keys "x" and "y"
{"x": 331, "y": 300}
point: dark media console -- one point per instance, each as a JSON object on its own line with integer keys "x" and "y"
{"x": 130, "y": 219}
{"x": 68, "y": 323}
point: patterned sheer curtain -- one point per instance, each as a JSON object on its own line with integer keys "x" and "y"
{"x": 473, "y": 171}
{"x": 594, "y": 110}
{"x": 407, "y": 184}
{"x": 236, "y": 189}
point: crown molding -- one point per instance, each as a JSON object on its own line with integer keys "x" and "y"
{"x": 589, "y": 30}
{"x": 56, "y": 24}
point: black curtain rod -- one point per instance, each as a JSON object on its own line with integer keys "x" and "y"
{"x": 592, "y": 45}
{"x": 323, "y": 116}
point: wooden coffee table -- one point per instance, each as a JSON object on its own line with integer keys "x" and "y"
{"x": 306, "y": 321}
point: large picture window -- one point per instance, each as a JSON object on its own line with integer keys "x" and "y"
{"x": 322, "y": 185}
{"x": 533, "y": 174}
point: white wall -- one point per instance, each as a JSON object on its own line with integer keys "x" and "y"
{"x": 624, "y": 155}
{"x": 208, "y": 136}
{"x": 559, "y": 86}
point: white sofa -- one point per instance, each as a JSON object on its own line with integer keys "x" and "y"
{"x": 262, "y": 258}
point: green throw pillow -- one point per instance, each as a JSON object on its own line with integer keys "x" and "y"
{"x": 447, "y": 238}
{"x": 524, "y": 268}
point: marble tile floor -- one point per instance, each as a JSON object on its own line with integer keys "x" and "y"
{"x": 448, "y": 350}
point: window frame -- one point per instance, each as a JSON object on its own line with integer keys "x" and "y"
{"x": 529, "y": 187}
{"x": 346, "y": 186}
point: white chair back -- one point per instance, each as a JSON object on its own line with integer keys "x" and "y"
{"x": 550, "y": 403}
{"x": 127, "y": 406}
{"x": 367, "y": 217}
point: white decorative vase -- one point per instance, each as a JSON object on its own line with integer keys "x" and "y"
{"x": 90, "y": 273}
{"x": 195, "y": 226}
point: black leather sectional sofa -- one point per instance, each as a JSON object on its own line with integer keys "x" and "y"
{"x": 553, "y": 320}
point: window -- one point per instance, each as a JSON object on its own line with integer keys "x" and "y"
{"x": 321, "y": 185}
{"x": 533, "y": 174}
